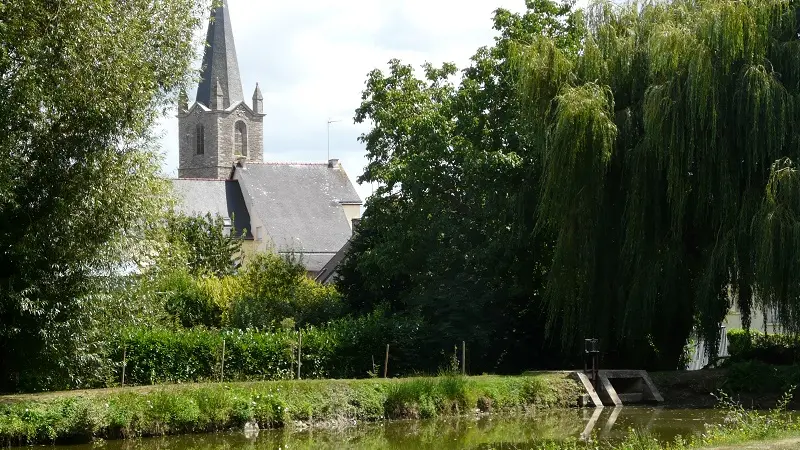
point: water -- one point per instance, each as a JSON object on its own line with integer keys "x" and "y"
{"x": 489, "y": 432}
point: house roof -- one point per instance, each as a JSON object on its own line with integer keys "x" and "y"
{"x": 300, "y": 206}
{"x": 326, "y": 273}
{"x": 218, "y": 197}
{"x": 313, "y": 262}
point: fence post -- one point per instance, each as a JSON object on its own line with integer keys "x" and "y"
{"x": 222, "y": 369}
{"x": 124, "y": 362}
{"x": 463, "y": 358}
{"x": 386, "y": 362}
{"x": 299, "y": 351}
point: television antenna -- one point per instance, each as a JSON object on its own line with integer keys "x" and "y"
{"x": 330, "y": 121}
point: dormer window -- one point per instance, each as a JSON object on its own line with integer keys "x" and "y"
{"x": 240, "y": 138}
{"x": 201, "y": 140}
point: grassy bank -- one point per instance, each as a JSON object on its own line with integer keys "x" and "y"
{"x": 754, "y": 384}
{"x": 194, "y": 408}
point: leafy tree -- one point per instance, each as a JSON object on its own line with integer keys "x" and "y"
{"x": 275, "y": 288}
{"x": 668, "y": 144}
{"x": 204, "y": 244}
{"x": 81, "y": 84}
{"x": 441, "y": 238}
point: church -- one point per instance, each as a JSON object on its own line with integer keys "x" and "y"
{"x": 304, "y": 209}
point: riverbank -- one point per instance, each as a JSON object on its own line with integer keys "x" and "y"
{"x": 82, "y": 416}
{"x": 754, "y": 385}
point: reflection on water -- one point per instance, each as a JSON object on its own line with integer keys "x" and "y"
{"x": 496, "y": 432}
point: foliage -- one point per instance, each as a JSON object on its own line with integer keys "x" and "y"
{"x": 757, "y": 377}
{"x": 81, "y": 84}
{"x": 743, "y": 425}
{"x": 273, "y": 289}
{"x": 667, "y": 144}
{"x": 205, "y": 244}
{"x": 440, "y": 238}
{"x": 188, "y": 302}
{"x": 780, "y": 349}
{"x": 344, "y": 348}
{"x": 215, "y": 407}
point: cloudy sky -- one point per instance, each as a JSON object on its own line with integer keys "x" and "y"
{"x": 311, "y": 59}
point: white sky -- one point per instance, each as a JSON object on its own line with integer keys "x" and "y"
{"x": 311, "y": 59}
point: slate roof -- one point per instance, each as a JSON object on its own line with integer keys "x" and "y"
{"x": 300, "y": 206}
{"x": 222, "y": 197}
{"x": 220, "y": 62}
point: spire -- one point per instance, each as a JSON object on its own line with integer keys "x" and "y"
{"x": 219, "y": 61}
{"x": 258, "y": 101}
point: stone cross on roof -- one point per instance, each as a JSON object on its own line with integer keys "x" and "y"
{"x": 219, "y": 62}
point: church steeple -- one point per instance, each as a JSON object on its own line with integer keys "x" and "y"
{"x": 219, "y": 62}
{"x": 224, "y": 130}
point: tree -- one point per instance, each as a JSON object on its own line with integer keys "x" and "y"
{"x": 81, "y": 84}
{"x": 274, "y": 288}
{"x": 668, "y": 145}
{"x": 205, "y": 244}
{"x": 440, "y": 237}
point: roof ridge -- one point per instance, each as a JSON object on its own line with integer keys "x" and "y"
{"x": 286, "y": 163}
{"x": 202, "y": 179}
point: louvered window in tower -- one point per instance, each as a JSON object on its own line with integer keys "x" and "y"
{"x": 240, "y": 138}
{"x": 201, "y": 140}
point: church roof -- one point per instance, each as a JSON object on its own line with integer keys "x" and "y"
{"x": 218, "y": 197}
{"x": 300, "y": 206}
{"x": 219, "y": 61}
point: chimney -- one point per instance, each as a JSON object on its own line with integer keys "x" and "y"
{"x": 355, "y": 223}
{"x": 333, "y": 163}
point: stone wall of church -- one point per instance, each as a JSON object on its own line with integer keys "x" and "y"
{"x": 220, "y": 138}
{"x": 227, "y": 135}
{"x": 190, "y": 164}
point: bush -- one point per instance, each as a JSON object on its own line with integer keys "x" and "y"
{"x": 274, "y": 289}
{"x": 778, "y": 349}
{"x": 345, "y": 348}
{"x": 268, "y": 291}
{"x": 190, "y": 301}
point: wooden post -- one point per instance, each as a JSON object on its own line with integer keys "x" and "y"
{"x": 299, "y": 351}
{"x": 222, "y": 368}
{"x": 124, "y": 363}
{"x": 386, "y": 362}
{"x": 463, "y": 358}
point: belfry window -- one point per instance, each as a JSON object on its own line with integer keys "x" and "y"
{"x": 201, "y": 140}
{"x": 240, "y": 138}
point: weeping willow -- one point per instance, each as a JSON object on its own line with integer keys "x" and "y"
{"x": 668, "y": 145}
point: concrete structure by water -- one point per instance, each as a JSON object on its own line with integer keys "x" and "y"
{"x": 618, "y": 387}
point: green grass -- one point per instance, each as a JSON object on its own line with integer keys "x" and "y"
{"x": 194, "y": 408}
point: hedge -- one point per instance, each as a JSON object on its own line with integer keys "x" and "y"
{"x": 342, "y": 349}
{"x": 778, "y": 349}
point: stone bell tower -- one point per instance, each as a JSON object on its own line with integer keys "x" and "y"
{"x": 219, "y": 128}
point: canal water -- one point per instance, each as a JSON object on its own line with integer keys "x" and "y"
{"x": 488, "y": 432}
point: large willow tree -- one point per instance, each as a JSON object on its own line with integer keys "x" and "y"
{"x": 669, "y": 145}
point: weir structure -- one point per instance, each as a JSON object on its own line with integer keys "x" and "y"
{"x": 617, "y": 388}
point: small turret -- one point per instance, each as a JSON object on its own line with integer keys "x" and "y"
{"x": 258, "y": 101}
{"x": 183, "y": 102}
{"x": 217, "y": 97}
